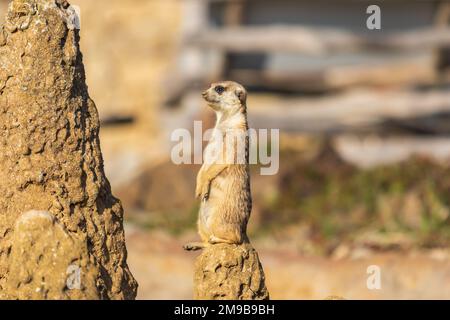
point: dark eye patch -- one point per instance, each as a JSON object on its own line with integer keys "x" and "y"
{"x": 219, "y": 89}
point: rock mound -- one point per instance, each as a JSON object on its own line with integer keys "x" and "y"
{"x": 229, "y": 272}
{"x": 50, "y": 160}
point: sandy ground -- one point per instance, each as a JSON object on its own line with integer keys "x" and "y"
{"x": 164, "y": 271}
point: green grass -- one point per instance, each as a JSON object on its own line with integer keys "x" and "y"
{"x": 338, "y": 200}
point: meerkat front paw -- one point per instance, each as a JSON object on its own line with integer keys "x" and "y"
{"x": 198, "y": 192}
{"x": 199, "y": 185}
{"x": 202, "y": 192}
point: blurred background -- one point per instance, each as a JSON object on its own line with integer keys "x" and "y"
{"x": 365, "y": 136}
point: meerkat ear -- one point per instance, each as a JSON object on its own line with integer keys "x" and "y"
{"x": 242, "y": 95}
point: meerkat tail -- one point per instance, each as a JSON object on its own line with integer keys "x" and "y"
{"x": 195, "y": 246}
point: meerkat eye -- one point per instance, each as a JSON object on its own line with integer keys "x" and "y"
{"x": 219, "y": 89}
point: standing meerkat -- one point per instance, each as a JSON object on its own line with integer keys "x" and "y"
{"x": 223, "y": 182}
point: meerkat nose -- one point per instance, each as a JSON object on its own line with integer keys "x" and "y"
{"x": 205, "y": 94}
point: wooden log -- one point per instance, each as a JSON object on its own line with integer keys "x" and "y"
{"x": 442, "y": 19}
{"x": 352, "y": 110}
{"x": 234, "y": 13}
{"x": 410, "y": 70}
{"x": 368, "y": 151}
{"x": 316, "y": 41}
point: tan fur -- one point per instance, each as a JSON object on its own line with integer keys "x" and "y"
{"x": 223, "y": 186}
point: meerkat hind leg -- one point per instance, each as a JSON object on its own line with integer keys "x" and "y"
{"x": 216, "y": 240}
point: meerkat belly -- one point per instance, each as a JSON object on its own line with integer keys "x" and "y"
{"x": 211, "y": 207}
{"x": 228, "y": 198}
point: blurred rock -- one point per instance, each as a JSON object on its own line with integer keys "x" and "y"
{"x": 160, "y": 190}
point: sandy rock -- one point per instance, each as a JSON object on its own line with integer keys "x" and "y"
{"x": 46, "y": 262}
{"x": 229, "y": 272}
{"x": 50, "y": 160}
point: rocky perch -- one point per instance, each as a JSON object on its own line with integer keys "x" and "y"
{"x": 229, "y": 272}
{"x": 61, "y": 229}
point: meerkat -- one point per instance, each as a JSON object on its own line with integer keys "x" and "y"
{"x": 223, "y": 182}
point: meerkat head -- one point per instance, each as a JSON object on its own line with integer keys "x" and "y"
{"x": 226, "y": 97}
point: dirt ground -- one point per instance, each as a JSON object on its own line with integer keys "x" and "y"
{"x": 164, "y": 271}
